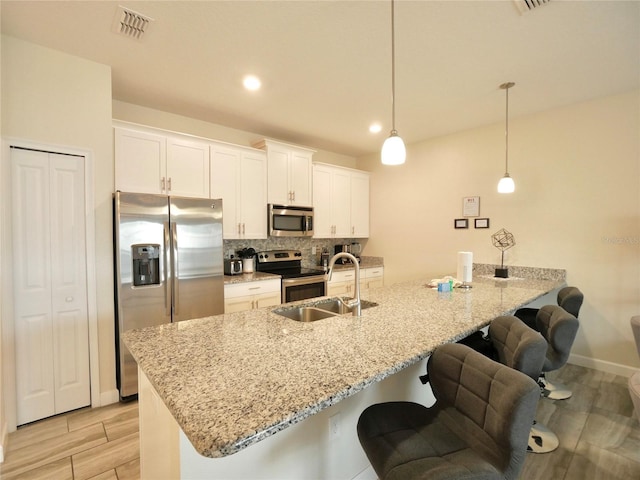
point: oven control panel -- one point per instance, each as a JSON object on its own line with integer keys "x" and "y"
{"x": 270, "y": 256}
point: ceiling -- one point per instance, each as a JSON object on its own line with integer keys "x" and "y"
{"x": 326, "y": 65}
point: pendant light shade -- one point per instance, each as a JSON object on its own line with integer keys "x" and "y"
{"x": 506, "y": 183}
{"x": 393, "y": 150}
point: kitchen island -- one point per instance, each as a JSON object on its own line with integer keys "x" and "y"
{"x": 212, "y": 387}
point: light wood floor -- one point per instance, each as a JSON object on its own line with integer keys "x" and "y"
{"x": 598, "y": 430}
{"x": 96, "y": 444}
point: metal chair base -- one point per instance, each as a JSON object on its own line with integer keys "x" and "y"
{"x": 554, "y": 391}
{"x": 541, "y": 439}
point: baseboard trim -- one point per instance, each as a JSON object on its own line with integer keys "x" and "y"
{"x": 4, "y": 438}
{"x": 108, "y": 397}
{"x": 367, "y": 474}
{"x": 602, "y": 365}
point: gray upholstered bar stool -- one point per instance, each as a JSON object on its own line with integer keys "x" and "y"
{"x": 477, "y": 429}
{"x": 634, "y": 380}
{"x": 523, "y": 349}
{"x": 569, "y": 298}
{"x": 559, "y": 328}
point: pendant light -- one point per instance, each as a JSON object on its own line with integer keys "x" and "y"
{"x": 393, "y": 150}
{"x": 506, "y": 184}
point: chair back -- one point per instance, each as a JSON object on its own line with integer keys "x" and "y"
{"x": 489, "y": 405}
{"x": 571, "y": 298}
{"x": 559, "y": 328}
{"x": 517, "y": 345}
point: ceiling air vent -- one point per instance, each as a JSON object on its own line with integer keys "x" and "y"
{"x": 131, "y": 24}
{"x": 525, "y": 6}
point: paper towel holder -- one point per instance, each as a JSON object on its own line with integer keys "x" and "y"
{"x": 465, "y": 270}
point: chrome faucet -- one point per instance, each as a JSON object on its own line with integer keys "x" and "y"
{"x": 354, "y": 303}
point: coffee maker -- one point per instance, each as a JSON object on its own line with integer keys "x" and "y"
{"x": 348, "y": 248}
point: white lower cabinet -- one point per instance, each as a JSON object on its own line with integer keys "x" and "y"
{"x": 342, "y": 282}
{"x": 371, "y": 278}
{"x": 239, "y": 297}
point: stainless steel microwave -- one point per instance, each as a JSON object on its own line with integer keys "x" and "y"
{"x": 290, "y": 221}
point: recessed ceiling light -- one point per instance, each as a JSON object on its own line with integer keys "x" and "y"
{"x": 375, "y": 128}
{"x": 251, "y": 82}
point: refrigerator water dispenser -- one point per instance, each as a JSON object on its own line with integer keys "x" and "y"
{"x": 146, "y": 264}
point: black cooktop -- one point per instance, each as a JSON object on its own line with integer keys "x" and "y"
{"x": 286, "y": 263}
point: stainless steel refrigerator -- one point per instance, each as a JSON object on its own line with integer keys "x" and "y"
{"x": 168, "y": 267}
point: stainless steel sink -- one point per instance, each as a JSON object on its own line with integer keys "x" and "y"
{"x": 304, "y": 314}
{"x": 311, "y": 312}
{"x": 334, "y": 305}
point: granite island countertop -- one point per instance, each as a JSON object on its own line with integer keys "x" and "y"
{"x": 232, "y": 380}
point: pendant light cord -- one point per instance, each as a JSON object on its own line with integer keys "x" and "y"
{"x": 506, "y": 135}
{"x": 393, "y": 71}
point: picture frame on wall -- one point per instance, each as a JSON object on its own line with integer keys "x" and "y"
{"x": 481, "y": 223}
{"x": 461, "y": 223}
{"x": 471, "y": 206}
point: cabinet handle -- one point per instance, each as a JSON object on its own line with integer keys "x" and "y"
{"x": 238, "y": 229}
{"x": 254, "y": 288}
{"x": 169, "y": 184}
{"x": 243, "y": 229}
{"x": 353, "y": 230}
{"x": 162, "y": 184}
{"x": 294, "y": 195}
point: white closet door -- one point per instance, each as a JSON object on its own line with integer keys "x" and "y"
{"x": 51, "y": 326}
{"x": 69, "y": 283}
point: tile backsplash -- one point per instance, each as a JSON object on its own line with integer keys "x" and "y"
{"x": 305, "y": 245}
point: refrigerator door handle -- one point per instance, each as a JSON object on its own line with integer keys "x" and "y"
{"x": 176, "y": 269}
{"x": 168, "y": 271}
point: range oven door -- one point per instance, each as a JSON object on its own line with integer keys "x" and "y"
{"x": 302, "y": 288}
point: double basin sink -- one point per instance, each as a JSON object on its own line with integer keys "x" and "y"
{"x": 310, "y": 312}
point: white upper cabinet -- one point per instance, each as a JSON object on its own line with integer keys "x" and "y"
{"x": 359, "y": 204}
{"x": 150, "y": 162}
{"x": 239, "y": 177}
{"x": 289, "y": 171}
{"x": 187, "y": 167}
{"x": 340, "y": 202}
{"x": 140, "y": 161}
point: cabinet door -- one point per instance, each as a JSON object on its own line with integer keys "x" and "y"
{"x": 300, "y": 178}
{"x": 323, "y": 222}
{"x": 140, "y": 161}
{"x": 253, "y": 195}
{"x": 338, "y": 288}
{"x": 267, "y": 300}
{"x": 187, "y": 168}
{"x": 238, "y": 304}
{"x": 359, "y": 205}
{"x": 341, "y": 202}
{"x": 224, "y": 171}
{"x": 278, "y": 176}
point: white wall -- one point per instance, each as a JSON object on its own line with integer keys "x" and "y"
{"x": 576, "y": 206}
{"x": 53, "y": 98}
{"x": 3, "y": 420}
